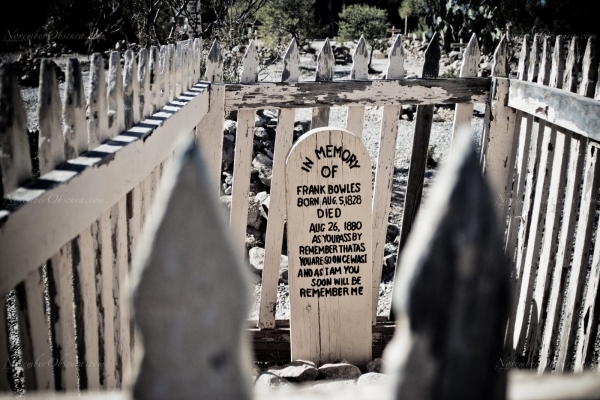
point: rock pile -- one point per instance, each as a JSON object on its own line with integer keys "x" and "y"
{"x": 307, "y": 375}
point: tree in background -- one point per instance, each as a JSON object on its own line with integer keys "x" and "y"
{"x": 409, "y": 9}
{"x": 282, "y": 20}
{"x": 458, "y": 19}
{"x": 371, "y": 22}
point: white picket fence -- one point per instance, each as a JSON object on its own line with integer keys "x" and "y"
{"x": 78, "y": 252}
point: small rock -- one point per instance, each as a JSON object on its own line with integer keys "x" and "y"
{"x": 263, "y": 197}
{"x": 226, "y": 202}
{"x": 339, "y": 371}
{"x": 229, "y": 127}
{"x": 227, "y": 191}
{"x": 283, "y": 270}
{"x": 392, "y": 231}
{"x": 256, "y": 256}
{"x": 264, "y": 165}
{"x": 254, "y": 218}
{"x": 375, "y": 366}
{"x": 329, "y": 386}
{"x": 260, "y": 133}
{"x": 455, "y": 55}
{"x": 270, "y": 114}
{"x": 296, "y": 371}
{"x": 259, "y": 121}
{"x": 269, "y": 381}
{"x": 253, "y": 238}
{"x": 372, "y": 378}
{"x": 228, "y": 154}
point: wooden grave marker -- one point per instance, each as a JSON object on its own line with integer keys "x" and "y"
{"x": 328, "y": 183}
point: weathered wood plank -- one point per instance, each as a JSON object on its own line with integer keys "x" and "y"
{"x": 325, "y": 63}
{"x": 220, "y": 361}
{"x": 209, "y": 131}
{"x": 134, "y": 225}
{"x": 384, "y": 172}
{"x": 51, "y": 141}
{"x": 540, "y": 185}
{"x": 178, "y": 71}
{"x": 452, "y": 291}
{"x": 463, "y": 113}
{"x": 572, "y": 66}
{"x": 277, "y": 212}
{"x": 155, "y": 78}
{"x": 502, "y": 143}
{"x": 86, "y": 308}
{"x": 335, "y": 322}
{"x": 144, "y": 79}
{"x": 558, "y": 63}
{"x": 34, "y": 334}
{"x": 165, "y": 74}
{"x": 563, "y": 254}
{"x": 6, "y": 376}
{"x": 60, "y": 281}
{"x": 500, "y": 67}
{"x": 567, "y": 110}
{"x": 116, "y": 112}
{"x": 131, "y": 91}
{"x": 96, "y": 175}
{"x": 587, "y": 329}
{"x": 589, "y": 71}
{"x": 107, "y": 301}
{"x": 243, "y": 156}
{"x": 273, "y": 345}
{"x": 549, "y": 245}
{"x": 500, "y": 114}
{"x": 15, "y": 163}
{"x": 120, "y": 287}
{"x": 363, "y": 93}
{"x": 359, "y": 71}
{"x": 581, "y": 255}
{"x": 197, "y": 59}
{"x": 545, "y": 69}
{"x": 74, "y": 105}
{"x": 97, "y": 122}
{"x": 418, "y": 158}
{"x": 523, "y": 67}
{"x": 533, "y": 67}
{"x": 172, "y": 79}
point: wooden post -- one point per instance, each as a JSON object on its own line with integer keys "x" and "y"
{"x": 207, "y": 356}
{"x": 274, "y": 236}
{"x": 452, "y": 291}
{"x": 385, "y": 171}
{"x": 328, "y": 185}
{"x": 418, "y": 158}
{"x": 500, "y": 146}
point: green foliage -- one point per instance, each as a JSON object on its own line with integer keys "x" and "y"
{"x": 410, "y": 8}
{"x": 283, "y": 20}
{"x": 360, "y": 19}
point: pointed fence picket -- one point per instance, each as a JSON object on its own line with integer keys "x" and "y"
{"x": 243, "y": 155}
{"x": 382, "y": 189}
{"x": 275, "y": 224}
{"x": 463, "y": 113}
{"x": 325, "y": 63}
{"x": 359, "y": 72}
